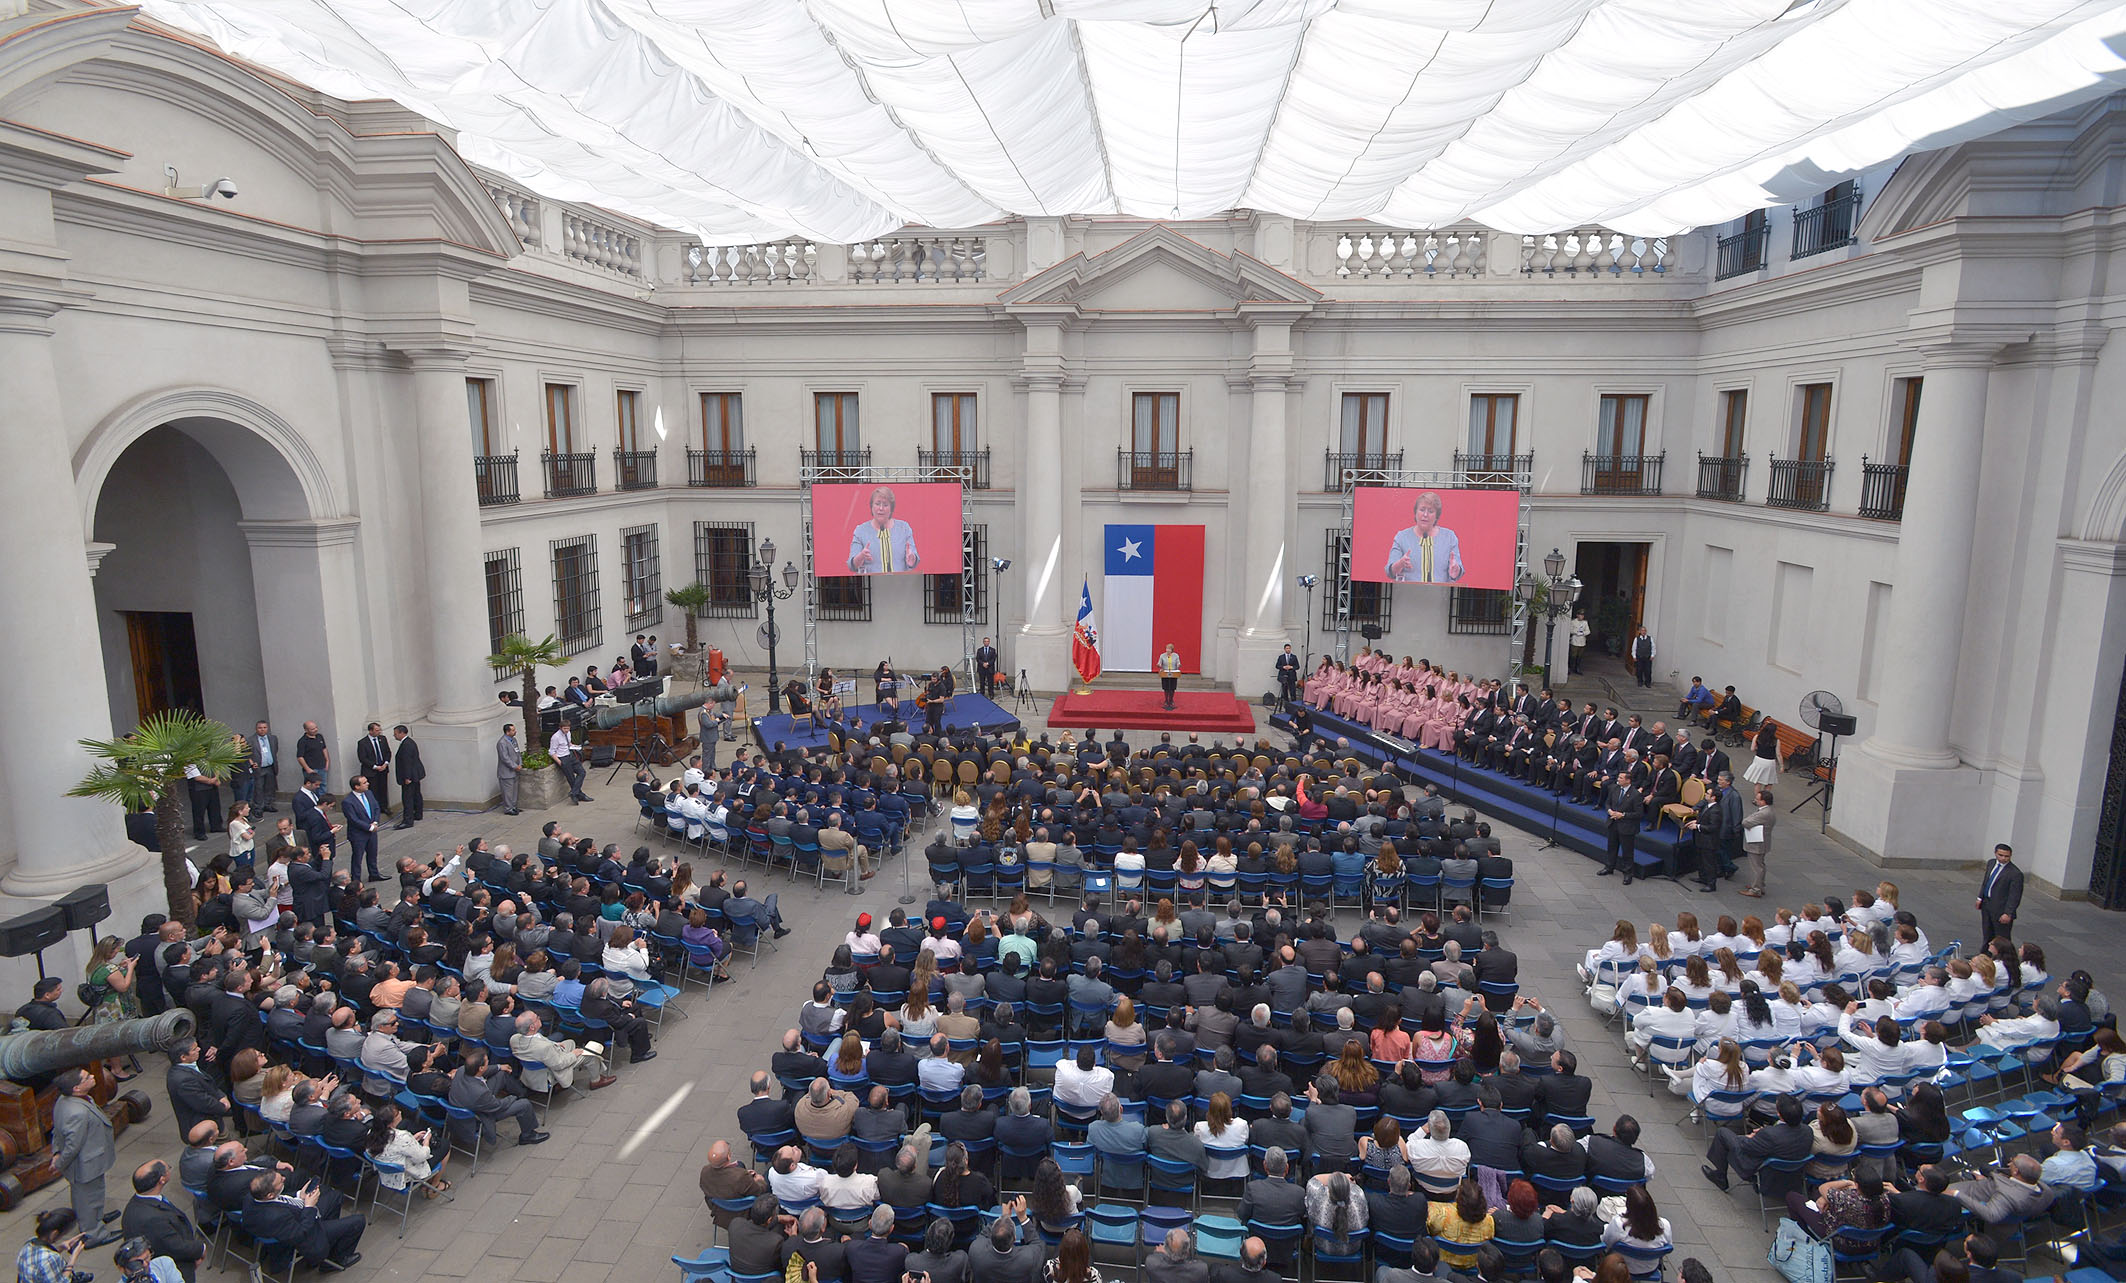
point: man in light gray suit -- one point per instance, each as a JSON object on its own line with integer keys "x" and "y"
{"x": 509, "y": 758}
{"x": 82, "y": 1152}
{"x": 265, "y": 766}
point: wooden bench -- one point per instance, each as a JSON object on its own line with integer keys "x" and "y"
{"x": 1734, "y": 730}
{"x": 1797, "y": 747}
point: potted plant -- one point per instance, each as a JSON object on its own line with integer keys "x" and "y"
{"x": 145, "y": 770}
{"x": 525, "y": 656}
{"x": 539, "y": 784}
{"x": 692, "y": 599}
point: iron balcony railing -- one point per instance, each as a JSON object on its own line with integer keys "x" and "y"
{"x": 1153, "y": 469}
{"x": 1743, "y": 252}
{"x": 1828, "y": 226}
{"x": 570, "y": 474}
{"x": 1494, "y": 471}
{"x": 495, "y": 475}
{"x": 1621, "y": 473}
{"x": 1882, "y": 489}
{"x": 835, "y": 460}
{"x": 1800, "y": 483}
{"x": 1335, "y": 461}
{"x": 726, "y": 469}
{"x": 947, "y": 465}
{"x": 1722, "y": 477}
{"x": 637, "y": 469}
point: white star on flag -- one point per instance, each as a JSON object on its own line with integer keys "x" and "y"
{"x": 1130, "y": 549}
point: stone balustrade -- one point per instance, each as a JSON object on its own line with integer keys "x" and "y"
{"x": 787, "y": 262}
{"x": 601, "y": 245}
{"x": 909, "y": 260}
{"x": 521, "y": 209}
{"x": 1390, "y": 255}
{"x": 1595, "y": 253}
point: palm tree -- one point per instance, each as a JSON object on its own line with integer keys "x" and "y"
{"x": 525, "y": 655}
{"x": 693, "y": 599}
{"x": 145, "y": 770}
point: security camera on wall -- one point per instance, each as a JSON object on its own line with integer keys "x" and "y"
{"x": 223, "y": 187}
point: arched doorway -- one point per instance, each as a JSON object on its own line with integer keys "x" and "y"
{"x": 176, "y": 605}
{"x": 225, "y": 573}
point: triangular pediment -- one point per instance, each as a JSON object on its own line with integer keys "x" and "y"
{"x": 1160, "y": 270}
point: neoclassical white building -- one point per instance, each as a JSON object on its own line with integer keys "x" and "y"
{"x": 306, "y": 452}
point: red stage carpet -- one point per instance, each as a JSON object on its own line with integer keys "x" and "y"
{"x": 1142, "y": 710}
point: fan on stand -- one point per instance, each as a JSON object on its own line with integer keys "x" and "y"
{"x": 1822, "y": 713}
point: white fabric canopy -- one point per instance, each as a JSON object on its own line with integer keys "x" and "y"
{"x": 745, "y": 120}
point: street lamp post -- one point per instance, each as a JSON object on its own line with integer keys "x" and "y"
{"x": 762, "y": 575}
{"x": 1562, "y": 593}
{"x": 1306, "y": 660}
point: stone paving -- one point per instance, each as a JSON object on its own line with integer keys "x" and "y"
{"x": 612, "y": 1196}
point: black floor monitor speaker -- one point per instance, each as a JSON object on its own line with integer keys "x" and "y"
{"x": 1839, "y": 724}
{"x": 84, "y": 907}
{"x": 37, "y": 929}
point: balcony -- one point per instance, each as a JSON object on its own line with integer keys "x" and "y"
{"x": 1882, "y": 489}
{"x": 1493, "y": 471}
{"x": 1153, "y": 469}
{"x": 569, "y": 475}
{"x": 839, "y": 465}
{"x": 1800, "y": 483}
{"x": 720, "y": 469}
{"x": 495, "y": 476}
{"x": 1335, "y": 462}
{"x": 1625, "y": 474}
{"x": 970, "y": 466}
{"x": 1722, "y": 477}
{"x": 1742, "y": 253}
{"x": 1828, "y": 226}
{"x": 637, "y": 469}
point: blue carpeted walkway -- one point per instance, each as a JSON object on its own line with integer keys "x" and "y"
{"x": 1528, "y": 808}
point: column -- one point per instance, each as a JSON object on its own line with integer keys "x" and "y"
{"x": 450, "y": 560}
{"x": 58, "y": 842}
{"x": 1264, "y": 517}
{"x": 1044, "y": 648}
{"x": 1934, "y": 544}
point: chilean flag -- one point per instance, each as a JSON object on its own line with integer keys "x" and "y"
{"x": 1154, "y": 592}
{"x": 1085, "y": 637}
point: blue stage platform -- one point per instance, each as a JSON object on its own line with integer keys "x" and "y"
{"x": 1528, "y": 808}
{"x": 962, "y": 712}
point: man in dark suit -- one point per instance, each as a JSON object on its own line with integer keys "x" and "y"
{"x": 1979, "y": 1256}
{"x": 1624, "y": 807}
{"x": 765, "y": 1114}
{"x": 406, "y": 767}
{"x": 1617, "y": 1155}
{"x": 364, "y": 815}
{"x": 163, "y": 1224}
{"x": 985, "y": 668}
{"x": 1271, "y": 1199}
{"x": 194, "y": 1095}
{"x": 372, "y": 756}
{"x": 310, "y": 817}
{"x": 1789, "y": 1138}
{"x": 1566, "y": 1091}
{"x": 306, "y": 1223}
{"x": 2000, "y": 894}
{"x": 1496, "y": 965}
{"x": 1288, "y": 674}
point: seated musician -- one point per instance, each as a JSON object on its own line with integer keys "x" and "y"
{"x": 793, "y": 692}
{"x": 829, "y": 702}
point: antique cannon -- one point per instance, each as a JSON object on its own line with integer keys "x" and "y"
{"x": 33, "y": 1058}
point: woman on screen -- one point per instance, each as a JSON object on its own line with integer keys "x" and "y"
{"x": 1427, "y": 552}
{"x": 884, "y": 544}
